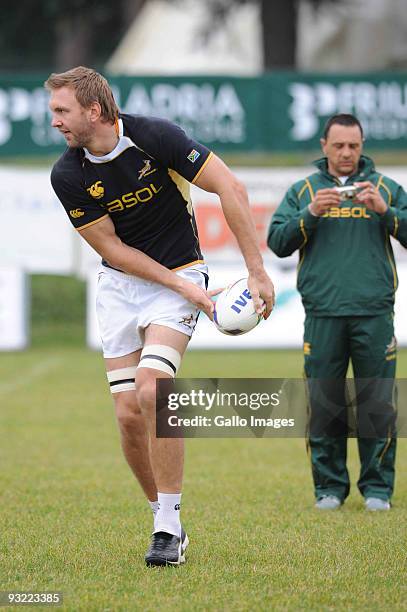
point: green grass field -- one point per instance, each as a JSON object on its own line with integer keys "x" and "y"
{"x": 73, "y": 519}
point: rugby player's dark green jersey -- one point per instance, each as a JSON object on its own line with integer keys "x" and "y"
{"x": 346, "y": 263}
{"x": 143, "y": 185}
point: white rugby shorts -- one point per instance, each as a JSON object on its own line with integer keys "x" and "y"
{"x": 126, "y": 305}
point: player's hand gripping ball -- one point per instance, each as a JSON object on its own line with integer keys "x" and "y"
{"x": 234, "y": 312}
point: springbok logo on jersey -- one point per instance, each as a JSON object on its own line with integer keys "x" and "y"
{"x": 146, "y": 170}
{"x": 96, "y": 190}
{"x": 75, "y": 214}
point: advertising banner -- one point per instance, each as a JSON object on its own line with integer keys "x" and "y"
{"x": 220, "y": 112}
{"x": 36, "y": 234}
{"x": 301, "y": 104}
{"x": 282, "y": 111}
{"x": 34, "y": 231}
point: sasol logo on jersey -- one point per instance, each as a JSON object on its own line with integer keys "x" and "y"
{"x": 96, "y": 190}
{"x": 75, "y": 214}
{"x": 241, "y": 301}
{"x": 357, "y": 212}
{"x": 132, "y": 198}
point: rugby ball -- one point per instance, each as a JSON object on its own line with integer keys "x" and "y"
{"x": 234, "y": 313}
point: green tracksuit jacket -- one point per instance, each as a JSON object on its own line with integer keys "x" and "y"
{"x": 346, "y": 265}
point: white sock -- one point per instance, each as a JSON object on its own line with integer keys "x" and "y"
{"x": 167, "y": 518}
{"x": 154, "y": 506}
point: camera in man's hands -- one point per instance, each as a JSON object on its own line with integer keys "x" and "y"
{"x": 347, "y": 192}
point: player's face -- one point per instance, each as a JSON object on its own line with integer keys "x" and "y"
{"x": 343, "y": 148}
{"x": 70, "y": 118}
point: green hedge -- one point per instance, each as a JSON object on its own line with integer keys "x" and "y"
{"x": 58, "y": 310}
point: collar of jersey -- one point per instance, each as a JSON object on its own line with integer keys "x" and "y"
{"x": 123, "y": 144}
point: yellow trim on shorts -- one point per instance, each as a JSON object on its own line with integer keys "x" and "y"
{"x": 91, "y": 223}
{"x": 202, "y": 167}
{"x": 198, "y": 261}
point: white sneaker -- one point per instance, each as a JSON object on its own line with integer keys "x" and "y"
{"x": 328, "y": 502}
{"x": 375, "y": 503}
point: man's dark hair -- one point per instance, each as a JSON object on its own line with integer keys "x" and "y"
{"x": 341, "y": 119}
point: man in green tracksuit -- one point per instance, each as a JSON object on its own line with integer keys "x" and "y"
{"x": 347, "y": 279}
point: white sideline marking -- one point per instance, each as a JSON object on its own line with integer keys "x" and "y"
{"x": 30, "y": 375}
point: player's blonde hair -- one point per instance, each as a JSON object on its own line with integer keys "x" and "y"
{"x": 89, "y": 86}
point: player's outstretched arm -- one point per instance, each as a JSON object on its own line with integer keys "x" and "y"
{"x": 103, "y": 238}
{"x": 217, "y": 178}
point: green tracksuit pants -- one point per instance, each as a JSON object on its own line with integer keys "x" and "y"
{"x": 369, "y": 343}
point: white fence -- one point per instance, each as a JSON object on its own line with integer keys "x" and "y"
{"x": 36, "y": 237}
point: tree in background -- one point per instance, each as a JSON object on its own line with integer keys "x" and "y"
{"x": 56, "y": 35}
{"x": 278, "y": 21}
